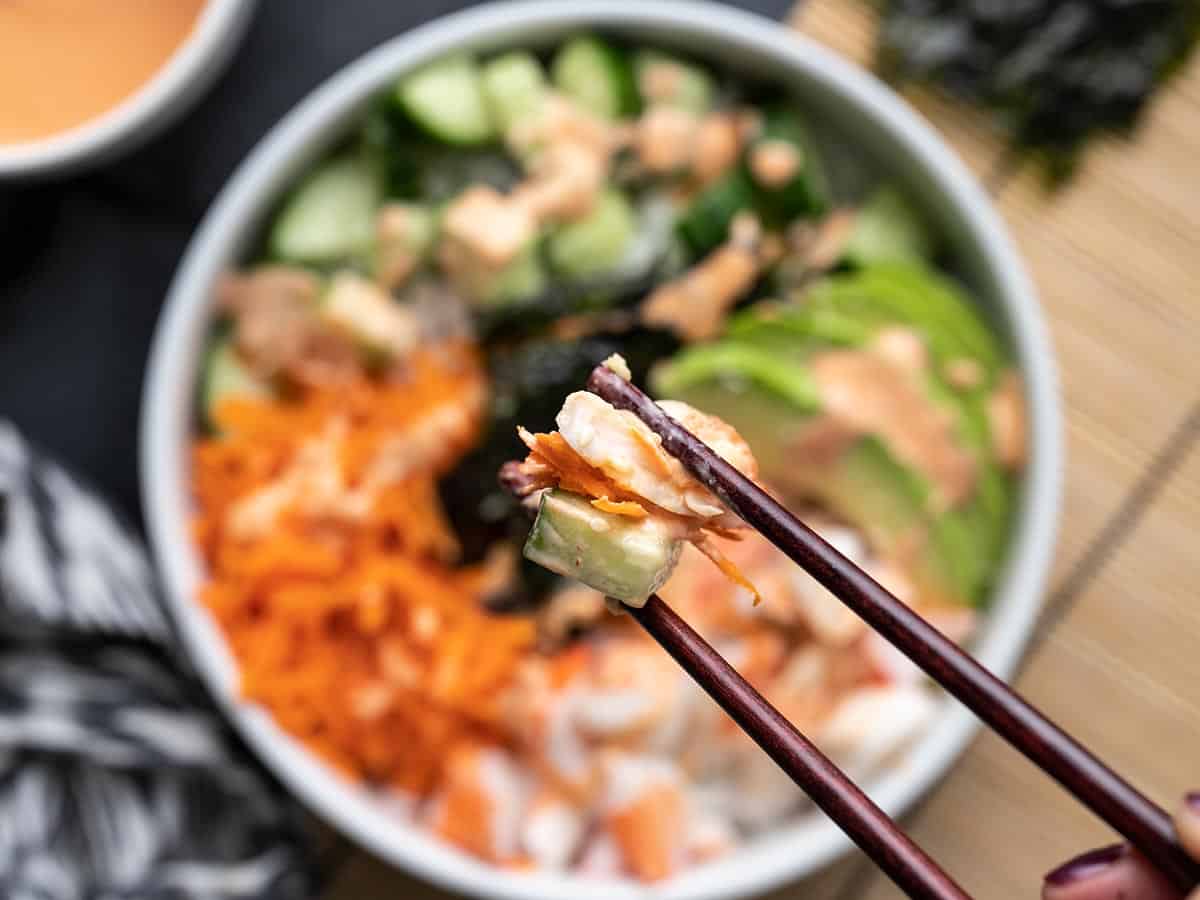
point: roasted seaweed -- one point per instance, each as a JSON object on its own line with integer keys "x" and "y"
{"x": 1056, "y": 74}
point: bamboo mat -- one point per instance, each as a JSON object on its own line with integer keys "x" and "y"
{"x": 1116, "y": 259}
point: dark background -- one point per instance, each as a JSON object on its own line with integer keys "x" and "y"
{"x": 85, "y": 262}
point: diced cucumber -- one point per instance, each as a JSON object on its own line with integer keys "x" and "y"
{"x": 597, "y": 76}
{"x": 225, "y": 375}
{"x": 888, "y": 229}
{"x": 330, "y": 217}
{"x": 445, "y": 98}
{"x": 598, "y": 242}
{"x": 662, "y": 78}
{"x": 521, "y": 279}
{"x": 514, "y": 85}
{"x": 404, "y": 237}
{"x": 622, "y": 557}
{"x": 806, "y": 194}
{"x": 654, "y": 242}
{"x": 443, "y": 176}
{"x": 705, "y": 223}
{"x": 768, "y": 370}
{"x": 365, "y": 311}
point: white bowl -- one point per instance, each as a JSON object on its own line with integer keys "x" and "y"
{"x": 853, "y": 103}
{"x": 168, "y": 93}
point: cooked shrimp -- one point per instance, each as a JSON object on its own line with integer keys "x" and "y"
{"x": 480, "y": 805}
{"x": 628, "y": 452}
{"x": 553, "y": 830}
{"x": 646, "y": 814}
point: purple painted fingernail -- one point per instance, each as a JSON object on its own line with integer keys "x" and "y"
{"x": 1089, "y": 865}
{"x": 1192, "y": 799}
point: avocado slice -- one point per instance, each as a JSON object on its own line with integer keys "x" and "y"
{"x": 914, "y": 295}
{"x": 749, "y": 379}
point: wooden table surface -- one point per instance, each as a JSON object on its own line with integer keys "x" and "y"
{"x": 1116, "y": 660}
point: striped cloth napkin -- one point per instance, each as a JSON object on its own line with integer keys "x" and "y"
{"x": 118, "y": 778}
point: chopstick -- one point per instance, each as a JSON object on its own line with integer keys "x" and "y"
{"x": 1142, "y": 822}
{"x": 828, "y": 787}
{"x": 825, "y": 784}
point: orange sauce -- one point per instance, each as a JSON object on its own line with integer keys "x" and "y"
{"x": 63, "y": 62}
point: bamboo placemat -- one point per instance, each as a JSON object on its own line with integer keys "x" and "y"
{"x": 1117, "y": 660}
{"x": 1116, "y": 259}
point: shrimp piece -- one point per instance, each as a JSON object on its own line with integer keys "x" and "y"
{"x": 890, "y": 665}
{"x": 633, "y": 693}
{"x": 542, "y": 715}
{"x": 830, "y": 621}
{"x": 709, "y": 837}
{"x": 481, "y": 803}
{"x": 872, "y": 725}
{"x": 646, "y": 814}
{"x": 552, "y": 831}
{"x": 624, "y": 448}
{"x": 600, "y": 859}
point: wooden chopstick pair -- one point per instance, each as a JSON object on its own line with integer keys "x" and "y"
{"x": 1143, "y": 823}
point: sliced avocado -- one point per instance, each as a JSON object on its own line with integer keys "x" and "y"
{"x": 789, "y": 326}
{"x": 622, "y": 557}
{"x": 868, "y": 487}
{"x": 769, "y": 371}
{"x": 749, "y": 380}
{"x": 913, "y": 295}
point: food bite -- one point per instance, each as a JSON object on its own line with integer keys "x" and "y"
{"x": 613, "y": 507}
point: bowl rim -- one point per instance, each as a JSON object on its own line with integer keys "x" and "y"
{"x": 165, "y": 95}
{"x": 768, "y": 861}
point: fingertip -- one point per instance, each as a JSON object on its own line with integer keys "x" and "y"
{"x": 1187, "y": 823}
{"x": 1107, "y": 873}
{"x": 1072, "y": 879}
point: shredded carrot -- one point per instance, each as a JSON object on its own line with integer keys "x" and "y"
{"x": 570, "y": 471}
{"x": 727, "y": 567}
{"x": 620, "y": 508}
{"x": 349, "y": 619}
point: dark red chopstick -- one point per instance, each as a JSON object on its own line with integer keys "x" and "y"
{"x": 853, "y": 811}
{"x": 825, "y": 784}
{"x": 1142, "y": 822}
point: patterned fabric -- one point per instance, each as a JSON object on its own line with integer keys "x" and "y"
{"x": 118, "y": 779}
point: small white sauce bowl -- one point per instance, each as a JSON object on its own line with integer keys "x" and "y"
{"x": 180, "y": 81}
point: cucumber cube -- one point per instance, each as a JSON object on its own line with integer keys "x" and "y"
{"x": 622, "y": 557}
{"x": 513, "y": 85}
{"x": 597, "y": 76}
